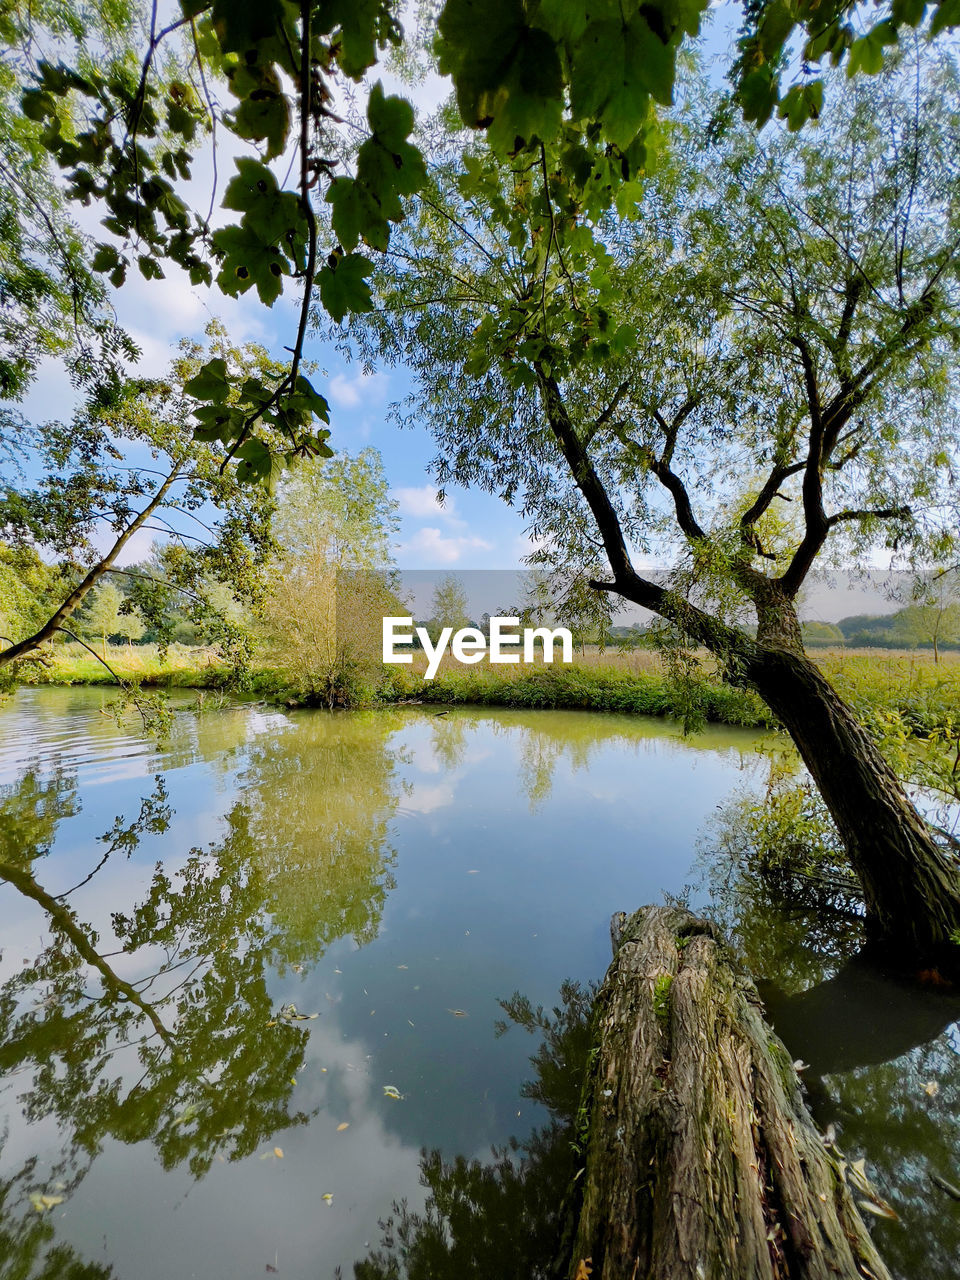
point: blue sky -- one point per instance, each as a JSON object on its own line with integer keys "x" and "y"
{"x": 471, "y": 530}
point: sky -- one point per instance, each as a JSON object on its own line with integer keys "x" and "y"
{"x": 470, "y": 530}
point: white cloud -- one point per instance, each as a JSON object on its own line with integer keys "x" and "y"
{"x": 422, "y": 503}
{"x": 364, "y": 388}
{"x": 436, "y": 547}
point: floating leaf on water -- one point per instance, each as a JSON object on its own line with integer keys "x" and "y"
{"x": 880, "y": 1209}
{"x": 328, "y": 1197}
{"x": 402, "y": 966}
{"x": 278, "y": 1152}
{"x": 389, "y": 1091}
{"x": 459, "y": 1013}
{"x": 410, "y": 1022}
{"x": 338, "y": 971}
{"x": 931, "y": 1088}
{"x": 42, "y": 1203}
{"x": 187, "y": 1114}
{"x": 272, "y": 1022}
{"x": 341, "y": 1127}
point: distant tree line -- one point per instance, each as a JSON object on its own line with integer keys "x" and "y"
{"x": 916, "y": 626}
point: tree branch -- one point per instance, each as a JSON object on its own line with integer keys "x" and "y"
{"x": 76, "y": 597}
{"x": 875, "y": 513}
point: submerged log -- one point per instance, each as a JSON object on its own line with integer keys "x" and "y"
{"x": 701, "y": 1160}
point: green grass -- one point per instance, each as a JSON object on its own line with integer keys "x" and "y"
{"x": 592, "y": 688}
{"x": 183, "y": 666}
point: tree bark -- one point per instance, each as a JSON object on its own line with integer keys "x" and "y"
{"x": 701, "y": 1159}
{"x": 911, "y": 885}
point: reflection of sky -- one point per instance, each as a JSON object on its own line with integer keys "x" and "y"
{"x": 497, "y": 890}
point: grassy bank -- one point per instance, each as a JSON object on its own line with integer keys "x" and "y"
{"x": 878, "y": 682}
{"x": 183, "y": 666}
{"x": 591, "y": 687}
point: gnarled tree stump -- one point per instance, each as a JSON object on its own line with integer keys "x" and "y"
{"x": 701, "y": 1159}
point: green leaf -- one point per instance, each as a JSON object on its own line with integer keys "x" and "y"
{"x": 391, "y": 119}
{"x": 273, "y": 216}
{"x": 106, "y": 258}
{"x": 252, "y": 181}
{"x": 209, "y": 382}
{"x": 265, "y": 118}
{"x": 150, "y": 268}
{"x": 475, "y": 43}
{"x": 946, "y": 17}
{"x": 344, "y": 288}
{"x": 779, "y": 19}
{"x": 528, "y": 103}
{"x": 802, "y": 103}
{"x": 758, "y": 95}
{"x": 866, "y": 54}
{"x": 256, "y": 462}
{"x": 242, "y": 24}
{"x": 615, "y": 70}
{"x": 36, "y": 104}
{"x": 248, "y": 261}
{"x": 360, "y": 28}
{"x": 318, "y": 405}
{"x": 908, "y": 11}
{"x": 354, "y": 211}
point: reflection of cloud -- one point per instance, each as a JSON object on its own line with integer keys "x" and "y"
{"x": 422, "y": 799}
{"x": 424, "y": 758}
{"x": 442, "y": 548}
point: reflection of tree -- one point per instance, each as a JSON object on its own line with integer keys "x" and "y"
{"x": 577, "y": 736}
{"x": 167, "y": 1031}
{"x": 320, "y": 801}
{"x": 882, "y": 1052}
{"x": 449, "y": 739}
{"x": 210, "y": 1078}
{"x": 790, "y": 927}
{"x": 501, "y": 1218}
{"x": 27, "y": 1248}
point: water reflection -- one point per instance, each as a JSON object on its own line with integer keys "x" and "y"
{"x": 28, "y": 1249}
{"x": 177, "y": 1054}
{"x": 394, "y": 873}
{"x": 882, "y": 1053}
{"x": 503, "y": 1216}
{"x": 162, "y": 1029}
{"x": 319, "y": 815}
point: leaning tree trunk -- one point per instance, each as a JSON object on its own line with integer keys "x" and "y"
{"x": 701, "y": 1160}
{"x": 911, "y": 886}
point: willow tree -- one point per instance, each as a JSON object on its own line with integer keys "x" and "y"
{"x": 747, "y": 362}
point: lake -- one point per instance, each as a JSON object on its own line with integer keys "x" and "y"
{"x": 269, "y": 993}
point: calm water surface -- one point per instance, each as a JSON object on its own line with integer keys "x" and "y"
{"x": 251, "y": 986}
